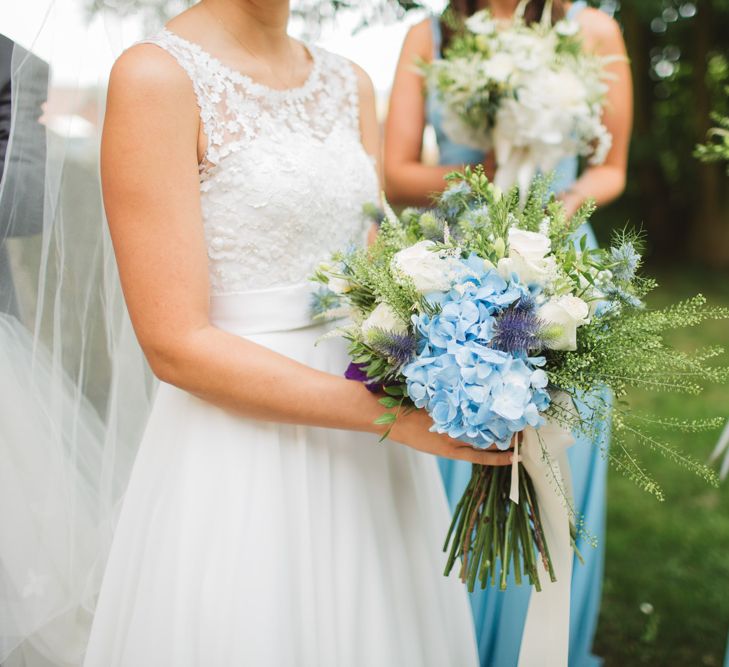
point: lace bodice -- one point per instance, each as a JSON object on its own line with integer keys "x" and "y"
{"x": 284, "y": 176}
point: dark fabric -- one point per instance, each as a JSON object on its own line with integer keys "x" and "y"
{"x": 23, "y": 91}
{"x": 6, "y": 56}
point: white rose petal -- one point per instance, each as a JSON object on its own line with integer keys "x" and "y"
{"x": 338, "y": 285}
{"x": 530, "y": 245}
{"x": 567, "y": 313}
{"x": 529, "y": 258}
{"x": 529, "y": 272}
{"x": 384, "y": 318}
{"x": 430, "y": 271}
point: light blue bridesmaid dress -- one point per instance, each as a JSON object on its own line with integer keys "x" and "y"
{"x": 499, "y": 615}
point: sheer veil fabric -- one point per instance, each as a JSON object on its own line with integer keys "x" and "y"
{"x": 354, "y": 528}
{"x": 67, "y": 441}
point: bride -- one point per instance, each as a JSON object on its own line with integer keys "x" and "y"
{"x": 263, "y": 523}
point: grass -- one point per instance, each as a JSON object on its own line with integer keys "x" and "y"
{"x": 666, "y": 590}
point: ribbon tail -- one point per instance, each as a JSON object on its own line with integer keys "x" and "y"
{"x": 514, "y": 491}
{"x": 722, "y": 447}
{"x": 546, "y": 633}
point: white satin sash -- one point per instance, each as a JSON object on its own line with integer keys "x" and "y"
{"x": 546, "y": 633}
{"x": 263, "y": 311}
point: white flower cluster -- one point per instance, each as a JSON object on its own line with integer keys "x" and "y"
{"x": 528, "y": 91}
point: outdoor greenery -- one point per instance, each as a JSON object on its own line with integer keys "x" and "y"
{"x": 665, "y": 599}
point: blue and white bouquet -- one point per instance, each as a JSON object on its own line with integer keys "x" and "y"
{"x": 530, "y": 92}
{"x": 492, "y": 318}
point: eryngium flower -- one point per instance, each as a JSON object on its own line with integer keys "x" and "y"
{"x": 398, "y": 348}
{"x": 519, "y": 331}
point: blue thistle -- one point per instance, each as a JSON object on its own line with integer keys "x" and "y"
{"x": 398, "y": 349}
{"x": 621, "y": 295}
{"x": 451, "y": 201}
{"x": 526, "y": 303}
{"x": 477, "y": 217}
{"x": 626, "y": 261}
{"x": 431, "y": 226}
{"x": 518, "y": 330}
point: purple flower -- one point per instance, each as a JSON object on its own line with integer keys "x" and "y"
{"x": 518, "y": 330}
{"x": 357, "y": 373}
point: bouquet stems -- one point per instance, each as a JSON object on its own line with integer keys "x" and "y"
{"x": 493, "y": 536}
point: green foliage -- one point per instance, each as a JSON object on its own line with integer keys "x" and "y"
{"x": 683, "y": 541}
{"x": 630, "y": 352}
{"x": 716, "y": 148}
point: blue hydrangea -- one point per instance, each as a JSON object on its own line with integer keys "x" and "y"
{"x": 474, "y": 392}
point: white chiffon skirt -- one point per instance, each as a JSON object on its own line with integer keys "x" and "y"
{"x": 249, "y": 543}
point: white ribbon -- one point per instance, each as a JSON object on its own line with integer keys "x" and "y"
{"x": 518, "y": 165}
{"x": 546, "y": 633}
{"x": 722, "y": 447}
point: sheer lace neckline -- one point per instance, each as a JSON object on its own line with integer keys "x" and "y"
{"x": 253, "y": 86}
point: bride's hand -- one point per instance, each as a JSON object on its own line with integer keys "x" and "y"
{"x": 413, "y": 429}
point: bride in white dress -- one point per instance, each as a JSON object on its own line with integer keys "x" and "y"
{"x": 264, "y": 524}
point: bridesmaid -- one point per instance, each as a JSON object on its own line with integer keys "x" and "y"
{"x": 499, "y": 616}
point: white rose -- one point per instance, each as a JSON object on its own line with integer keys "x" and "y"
{"x": 530, "y": 245}
{"x": 529, "y": 272}
{"x": 481, "y": 23}
{"x": 338, "y": 285}
{"x": 566, "y": 313}
{"x": 528, "y": 258}
{"x": 430, "y": 271}
{"x": 383, "y": 318}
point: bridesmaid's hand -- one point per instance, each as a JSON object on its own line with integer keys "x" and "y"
{"x": 412, "y": 429}
{"x": 572, "y": 200}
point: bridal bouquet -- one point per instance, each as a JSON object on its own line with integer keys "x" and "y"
{"x": 529, "y": 92}
{"x": 508, "y": 332}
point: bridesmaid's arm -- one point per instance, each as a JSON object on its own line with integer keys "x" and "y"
{"x": 150, "y": 151}
{"x": 407, "y": 180}
{"x": 606, "y": 182}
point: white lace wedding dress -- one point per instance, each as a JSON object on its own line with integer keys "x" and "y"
{"x": 250, "y": 543}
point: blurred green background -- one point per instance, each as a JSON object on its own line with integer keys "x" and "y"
{"x": 666, "y": 595}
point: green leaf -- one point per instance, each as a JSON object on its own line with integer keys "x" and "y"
{"x": 387, "y": 418}
{"x": 389, "y": 402}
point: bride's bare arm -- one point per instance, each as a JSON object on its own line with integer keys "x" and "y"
{"x": 150, "y": 151}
